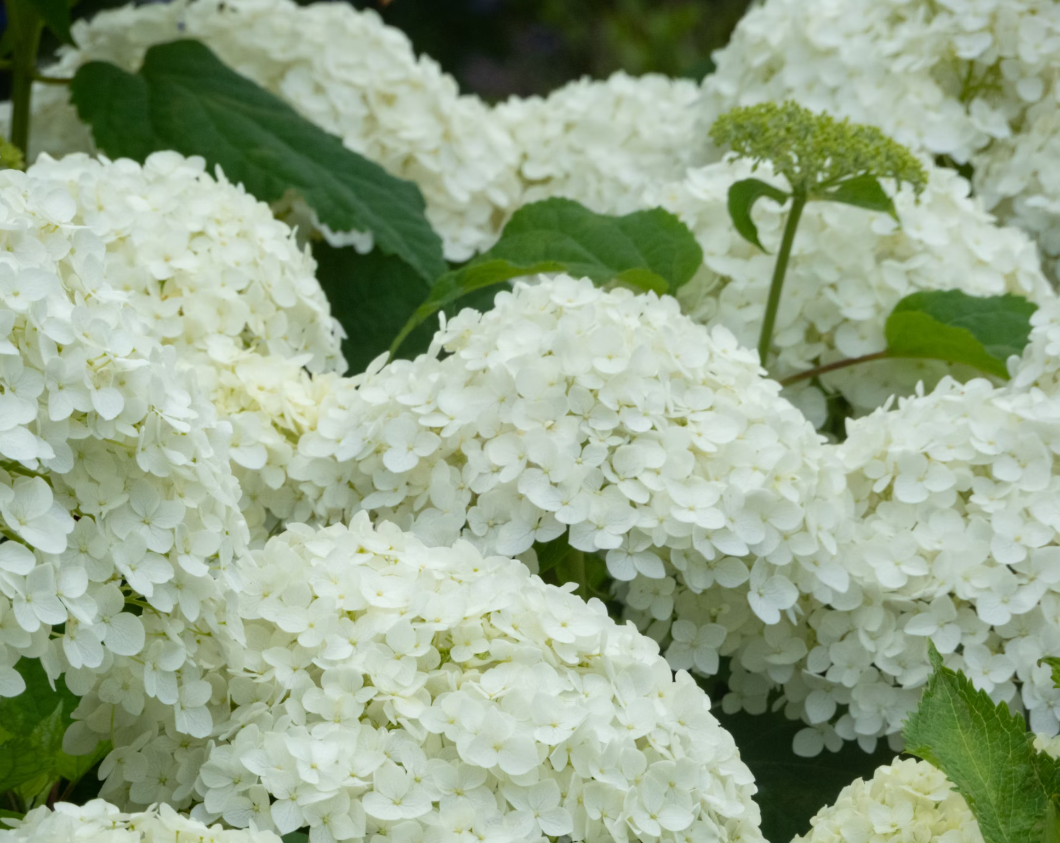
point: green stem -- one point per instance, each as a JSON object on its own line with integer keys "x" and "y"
{"x": 577, "y": 569}
{"x": 26, "y": 28}
{"x": 798, "y": 202}
{"x": 51, "y": 80}
{"x": 833, "y": 367}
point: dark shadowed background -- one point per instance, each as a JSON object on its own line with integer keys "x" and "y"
{"x": 500, "y": 47}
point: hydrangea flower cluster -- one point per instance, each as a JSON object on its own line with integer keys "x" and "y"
{"x": 381, "y": 687}
{"x": 603, "y": 143}
{"x": 99, "y": 822}
{"x": 974, "y": 80}
{"x": 907, "y": 800}
{"x": 848, "y": 270}
{"x": 650, "y": 438}
{"x": 211, "y": 272}
{"x": 117, "y": 505}
{"x": 954, "y": 538}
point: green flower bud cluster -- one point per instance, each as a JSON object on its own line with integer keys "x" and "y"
{"x": 814, "y": 151}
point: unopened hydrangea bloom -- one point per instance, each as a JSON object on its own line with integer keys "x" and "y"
{"x": 343, "y": 70}
{"x": 848, "y": 269}
{"x": 116, "y": 500}
{"x": 603, "y": 143}
{"x": 975, "y": 80}
{"x": 904, "y": 801}
{"x": 98, "y": 822}
{"x": 385, "y": 688}
{"x": 652, "y": 440}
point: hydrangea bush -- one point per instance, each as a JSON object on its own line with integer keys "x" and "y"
{"x": 734, "y": 408}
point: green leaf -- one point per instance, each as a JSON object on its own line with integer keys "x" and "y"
{"x": 373, "y": 296}
{"x": 184, "y": 98}
{"x": 951, "y": 325}
{"x": 56, "y": 16}
{"x": 34, "y": 724}
{"x": 1051, "y": 831}
{"x": 986, "y": 752}
{"x": 862, "y": 191}
{"x": 295, "y": 837}
{"x": 652, "y": 250}
{"x": 1054, "y": 664}
{"x": 551, "y": 554}
{"x": 742, "y": 197}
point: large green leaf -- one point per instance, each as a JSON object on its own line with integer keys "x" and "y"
{"x": 32, "y": 726}
{"x": 651, "y": 249}
{"x": 951, "y": 325}
{"x": 986, "y": 752}
{"x": 184, "y": 98}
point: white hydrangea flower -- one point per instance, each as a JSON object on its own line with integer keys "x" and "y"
{"x": 99, "y": 822}
{"x": 213, "y": 274}
{"x": 608, "y": 417}
{"x": 973, "y": 80}
{"x": 205, "y": 264}
{"x": 342, "y": 69}
{"x": 381, "y": 687}
{"x": 905, "y": 800}
{"x": 954, "y": 539}
{"x": 603, "y": 143}
{"x": 117, "y": 505}
{"x": 848, "y": 270}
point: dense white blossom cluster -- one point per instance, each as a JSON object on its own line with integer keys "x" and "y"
{"x": 847, "y": 271}
{"x": 974, "y": 80}
{"x": 98, "y": 822}
{"x": 116, "y": 500}
{"x": 603, "y": 143}
{"x": 381, "y": 687}
{"x": 211, "y": 272}
{"x": 608, "y": 414}
{"x": 905, "y": 801}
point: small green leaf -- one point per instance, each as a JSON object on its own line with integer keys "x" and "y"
{"x": 1051, "y": 831}
{"x": 551, "y": 554}
{"x": 951, "y": 325}
{"x": 862, "y": 191}
{"x": 1054, "y": 664}
{"x": 651, "y": 250}
{"x": 56, "y": 16}
{"x": 31, "y": 750}
{"x": 295, "y": 837}
{"x": 742, "y": 197}
{"x": 184, "y": 98}
{"x": 986, "y": 752}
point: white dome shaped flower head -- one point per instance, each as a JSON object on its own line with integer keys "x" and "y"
{"x": 848, "y": 269}
{"x": 118, "y": 506}
{"x": 972, "y": 81}
{"x": 346, "y": 72}
{"x": 557, "y": 722}
{"x": 654, "y": 441}
{"x": 97, "y": 821}
{"x": 602, "y": 143}
{"x": 905, "y": 800}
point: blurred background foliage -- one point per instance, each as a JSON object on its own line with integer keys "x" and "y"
{"x": 497, "y": 48}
